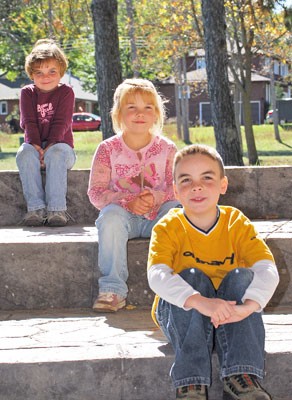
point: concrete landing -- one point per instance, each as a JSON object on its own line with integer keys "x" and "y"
{"x": 80, "y": 355}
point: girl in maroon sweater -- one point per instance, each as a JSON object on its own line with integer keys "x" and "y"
{"x": 46, "y": 109}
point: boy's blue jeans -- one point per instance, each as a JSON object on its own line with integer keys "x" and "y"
{"x": 58, "y": 159}
{"x": 115, "y": 227}
{"x": 239, "y": 345}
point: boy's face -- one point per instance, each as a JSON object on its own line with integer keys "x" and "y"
{"x": 198, "y": 185}
{"x": 46, "y": 76}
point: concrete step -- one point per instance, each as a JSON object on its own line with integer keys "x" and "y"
{"x": 43, "y": 268}
{"x": 257, "y": 191}
{"x": 79, "y": 355}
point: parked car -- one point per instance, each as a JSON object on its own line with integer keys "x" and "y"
{"x": 269, "y": 117}
{"x": 284, "y": 108}
{"x": 84, "y": 121}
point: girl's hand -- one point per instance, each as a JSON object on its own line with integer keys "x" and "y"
{"x": 147, "y": 197}
{"x": 41, "y": 153}
{"x": 142, "y": 204}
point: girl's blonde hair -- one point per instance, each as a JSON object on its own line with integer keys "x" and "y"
{"x": 132, "y": 87}
{"x": 43, "y": 50}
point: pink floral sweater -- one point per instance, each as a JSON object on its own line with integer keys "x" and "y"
{"x": 118, "y": 173}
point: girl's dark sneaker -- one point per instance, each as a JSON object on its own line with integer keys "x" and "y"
{"x": 243, "y": 387}
{"x": 198, "y": 392}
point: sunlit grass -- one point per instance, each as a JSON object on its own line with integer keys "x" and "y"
{"x": 270, "y": 151}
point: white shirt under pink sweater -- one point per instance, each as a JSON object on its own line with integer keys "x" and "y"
{"x": 118, "y": 173}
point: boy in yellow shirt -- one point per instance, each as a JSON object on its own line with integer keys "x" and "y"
{"x": 212, "y": 275}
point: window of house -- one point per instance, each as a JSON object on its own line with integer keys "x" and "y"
{"x": 284, "y": 69}
{"x": 3, "y": 108}
{"x": 201, "y": 63}
{"x": 267, "y": 62}
{"x": 268, "y": 93}
{"x": 180, "y": 92}
{"x": 88, "y": 106}
{"x": 276, "y": 68}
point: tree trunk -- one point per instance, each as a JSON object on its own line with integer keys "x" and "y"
{"x": 237, "y": 112}
{"x": 185, "y": 102}
{"x": 134, "y": 56}
{"x": 227, "y": 141}
{"x": 177, "y": 101}
{"x": 107, "y": 58}
{"x": 273, "y": 102}
{"x": 246, "y": 96}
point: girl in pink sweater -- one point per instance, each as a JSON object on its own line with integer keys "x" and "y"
{"x": 130, "y": 182}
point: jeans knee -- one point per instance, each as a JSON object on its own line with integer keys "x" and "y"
{"x": 112, "y": 219}
{"x": 27, "y": 157}
{"x": 54, "y": 154}
{"x": 236, "y": 282}
{"x": 198, "y": 280}
{"x": 240, "y": 276}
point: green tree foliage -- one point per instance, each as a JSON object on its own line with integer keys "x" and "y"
{"x": 24, "y": 22}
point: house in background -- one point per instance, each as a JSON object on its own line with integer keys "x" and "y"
{"x": 10, "y": 94}
{"x": 199, "y": 102}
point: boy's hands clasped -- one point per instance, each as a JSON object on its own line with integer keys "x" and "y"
{"x": 221, "y": 311}
{"x": 142, "y": 204}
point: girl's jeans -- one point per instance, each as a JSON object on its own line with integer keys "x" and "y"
{"x": 58, "y": 159}
{"x": 115, "y": 227}
{"x": 239, "y": 345}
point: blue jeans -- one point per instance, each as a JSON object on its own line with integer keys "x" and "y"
{"x": 58, "y": 159}
{"x": 239, "y": 345}
{"x": 115, "y": 227}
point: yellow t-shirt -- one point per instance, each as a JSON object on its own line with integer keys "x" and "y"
{"x": 232, "y": 242}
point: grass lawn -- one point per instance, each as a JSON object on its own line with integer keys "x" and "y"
{"x": 270, "y": 151}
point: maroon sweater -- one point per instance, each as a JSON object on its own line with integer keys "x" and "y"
{"x": 47, "y": 116}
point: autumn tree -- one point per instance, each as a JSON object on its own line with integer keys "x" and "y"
{"x": 227, "y": 141}
{"x": 23, "y": 22}
{"x": 169, "y": 37}
{"x": 252, "y": 27}
{"x": 107, "y": 58}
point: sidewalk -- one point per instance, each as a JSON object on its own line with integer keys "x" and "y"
{"x": 81, "y": 355}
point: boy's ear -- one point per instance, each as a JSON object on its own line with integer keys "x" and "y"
{"x": 224, "y": 185}
{"x": 175, "y": 191}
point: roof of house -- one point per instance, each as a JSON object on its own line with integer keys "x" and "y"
{"x": 200, "y": 75}
{"x": 10, "y": 90}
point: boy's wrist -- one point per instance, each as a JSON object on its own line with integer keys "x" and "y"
{"x": 252, "y": 305}
{"x": 192, "y": 301}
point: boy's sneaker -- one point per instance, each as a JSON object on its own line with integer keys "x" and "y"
{"x": 34, "y": 218}
{"x": 198, "y": 392}
{"x": 57, "y": 218}
{"x": 109, "y": 302}
{"x": 243, "y": 387}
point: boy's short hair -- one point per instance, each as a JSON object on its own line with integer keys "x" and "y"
{"x": 146, "y": 89}
{"x": 199, "y": 149}
{"x": 45, "y": 49}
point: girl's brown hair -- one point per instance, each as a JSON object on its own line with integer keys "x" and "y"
{"x": 43, "y": 50}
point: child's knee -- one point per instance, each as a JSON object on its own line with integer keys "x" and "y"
{"x": 240, "y": 276}
{"x": 26, "y": 153}
{"x": 112, "y": 217}
{"x": 236, "y": 282}
{"x": 54, "y": 153}
{"x": 198, "y": 280}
